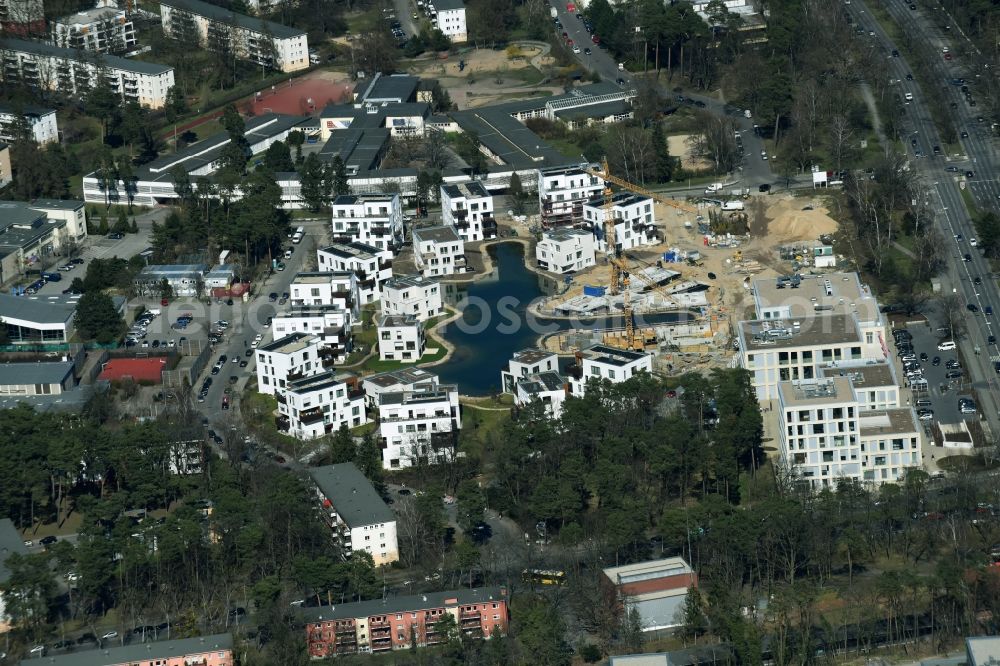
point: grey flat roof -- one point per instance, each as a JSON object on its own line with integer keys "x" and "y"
{"x": 143, "y": 652}
{"x": 396, "y": 86}
{"x": 507, "y": 138}
{"x": 442, "y": 234}
{"x": 404, "y": 281}
{"x": 112, "y": 62}
{"x": 39, "y": 312}
{"x": 26, "y": 110}
{"x": 10, "y": 542}
{"x": 217, "y": 13}
{"x": 291, "y": 343}
{"x": 982, "y": 650}
{"x": 401, "y": 377}
{"x": 821, "y": 330}
{"x": 395, "y": 320}
{"x": 411, "y": 602}
{"x": 88, "y": 16}
{"x": 49, "y": 372}
{"x": 612, "y": 355}
{"x": 352, "y": 495}
{"x": 448, "y": 4}
{"x": 352, "y": 250}
{"x": 58, "y": 204}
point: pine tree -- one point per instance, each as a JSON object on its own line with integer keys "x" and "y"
{"x": 102, "y": 228}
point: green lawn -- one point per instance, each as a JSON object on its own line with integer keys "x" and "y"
{"x": 477, "y": 424}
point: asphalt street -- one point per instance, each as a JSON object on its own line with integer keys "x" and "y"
{"x": 942, "y": 189}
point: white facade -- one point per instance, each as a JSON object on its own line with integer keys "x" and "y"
{"x": 400, "y": 338}
{"x": 292, "y": 357}
{"x": 65, "y": 70}
{"x": 42, "y": 123}
{"x": 358, "y": 518}
{"x": 563, "y": 191}
{"x": 451, "y": 20}
{"x": 469, "y": 208}
{"x": 372, "y": 266}
{"x": 438, "y": 251}
{"x": 320, "y": 404}
{"x": 412, "y": 295}
{"x": 634, "y": 223}
{"x": 548, "y": 388}
{"x": 330, "y": 323}
{"x": 326, "y": 288}
{"x": 72, "y": 213}
{"x": 104, "y": 29}
{"x": 525, "y": 363}
{"x": 601, "y": 362}
{"x": 565, "y": 250}
{"x": 263, "y": 42}
{"x": 396, "y": 381}
{"x": 419, "y": 427}
{"x": 375, "y": 220}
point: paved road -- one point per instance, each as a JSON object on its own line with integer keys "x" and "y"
{"x": 942, "y": 194}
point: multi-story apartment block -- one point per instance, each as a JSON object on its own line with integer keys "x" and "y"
{"x": 215, "y": 650}
{"x": 633, "y": 215}
{"x": 68, "y": 71}
{"x": 547, "y": 388}
{"x": 340, "y": 288}
{"x": 602, "y": 362}
{"x": 292, "y": 357}
{"x": 396, "y": 381}
{"x": 398, "y": 623}
{"x": 22, "y": 17}
{"x": 400, "y": 338}
{"x": 6, "y": 171}
{"x": 469, "y": 208}
{"x": 451, "y": 20}
{"x": 39, "y": 124}
{"x": 358, "y": 517}
{"x": 805, "y": 322}
{"x": 419, "y": 427}
{"x": 316, "y": 405}
{"x": 375, "y": 220}
{"x": 565, "y": 250}
{"x": 438, "y": 251}
{"x": 263, "y": 42}
{"x": 828, "y": 435}
{"x": 330, "y": 323}
{"x": 372, "y": 266}
{"x": 525, "y": 363}
{"x": 562, "y": 192}
{"x": 412, "y": 295}
{"x": 102, "y": 29}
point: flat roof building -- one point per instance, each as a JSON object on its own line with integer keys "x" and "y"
{"x": 30, "y": 320}
{"x": 656, "y": 589}
{"x": 214, "y": 650}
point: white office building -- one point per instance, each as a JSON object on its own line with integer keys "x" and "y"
{"x": 419, "y": 427}
{"x": 602, "y": 362}
{"x": 359, "y": 520}
{"x": 400, "y": 338}
{"x": 469, "y": 208}
{"x": 263, "y": 42}
{"x": 375, "y": 220}
{"x": 412, "y": 295}
{"x": 562, "y": 192}
{"x": 451, "y": 20}
{"x": 102, "y": 29}
{"x": 319, "y": 404}
{"x": 634, "y": 223}
{"x": 71, "y": 73}
{"x": 40, "y": 123}
{"x": 292, "y": 357}
{"x": 566, "y": 250}
{"x": 438, "y": 251}
{"x": 372, "y": 266}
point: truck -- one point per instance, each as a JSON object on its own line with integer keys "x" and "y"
{"x": 732, "y": 205}
{"x": 711, "y": 188}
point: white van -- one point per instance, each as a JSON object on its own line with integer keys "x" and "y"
{"x": 297, "y": 238}
{"x": 947, "y": 345}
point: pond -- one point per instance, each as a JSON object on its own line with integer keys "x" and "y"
{"x": 495, "y": 322}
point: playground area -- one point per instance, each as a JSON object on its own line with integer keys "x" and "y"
{"x": 305, "y": 96}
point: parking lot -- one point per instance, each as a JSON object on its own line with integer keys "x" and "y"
{"x": 942, "y": 391}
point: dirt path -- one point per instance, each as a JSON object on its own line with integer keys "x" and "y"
{"x": 866, "y": 92}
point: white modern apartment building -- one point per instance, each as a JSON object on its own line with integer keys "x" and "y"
{"x": 317, "y": 405}
{"x": 451, "y": 20}
{"x": 359, "y": 519}
{"x": 263, "y": 42}
{"x": 400, "y": 338}
{"x": 330, "y": 323}
{"x": 375, "y": 220}
{"x": 340, "y": 288}
{"x": 372, "y": 266}
{"x": 566, "y": 250}
{"x": 292, "y": 357}
{"x": 807, "y": 322}
{"x": 562, "y": 192}
{"x": 827, "y": 434}
{"x": 633, "y": 215}
{"x": 526, "y": 363}
{"x": 412, "y": 295}
{"x": 71, "y": 73}
{"x": 602, "y": 362}
{"x": 419, "y": 427}
{"x": 70, "y": 212}
{"x": 547, "y": 388}
{"x": 438, "y": 251}
{"x": 469, "y": 208}
{"x": 41, "y": 124}
{"x": 396, "y": 381}
{"x": 102, "y": 29}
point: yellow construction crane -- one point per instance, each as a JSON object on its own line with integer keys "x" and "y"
{"x": 632, "y": 187}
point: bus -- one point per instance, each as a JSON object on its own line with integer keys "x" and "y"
{"x": 544, "y": 576}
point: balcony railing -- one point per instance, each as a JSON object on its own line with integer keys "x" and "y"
{"x": 310, "y": 416}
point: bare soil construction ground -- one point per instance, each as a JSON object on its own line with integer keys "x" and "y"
{"x": 680, "y": 145}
